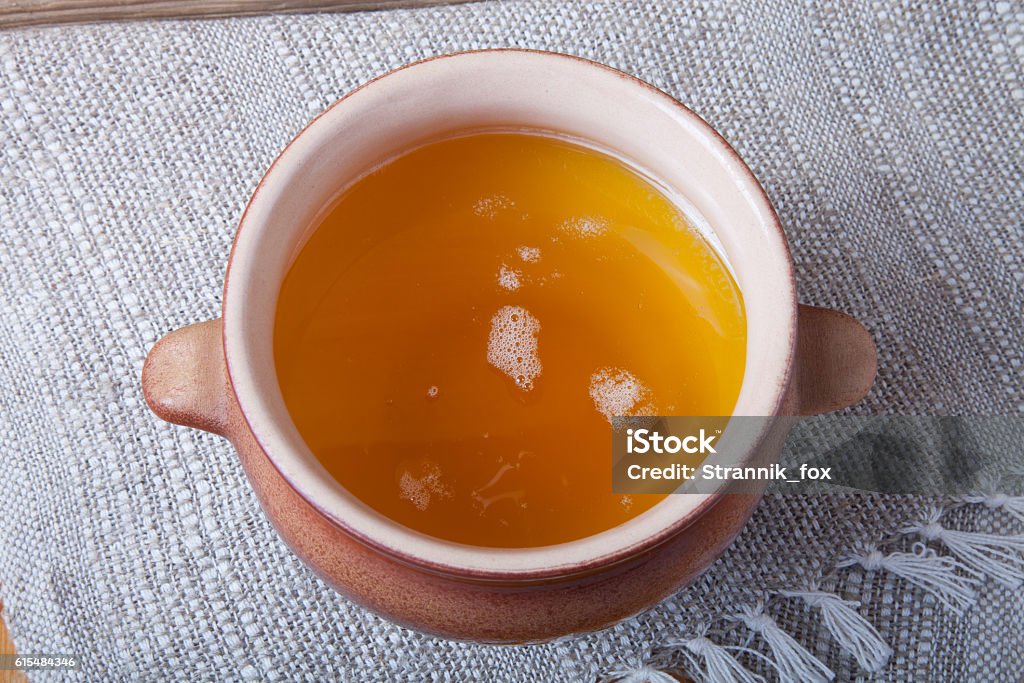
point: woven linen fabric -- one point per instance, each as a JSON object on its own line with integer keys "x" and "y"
{"x": 889, "y": 136}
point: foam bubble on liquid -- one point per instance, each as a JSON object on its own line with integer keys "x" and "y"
{"x": 433, "y": 391}
{"x": 509, "y": 279}
{"x": 491, "y": 206}
{"x": 618, "y": 393}
{"x": 584, "y": 226}
{"x": 512, "y": 345}
{"x": 529, "y": 254}
{"x": 421, "y": 483}
{"x": 681, "y": 224}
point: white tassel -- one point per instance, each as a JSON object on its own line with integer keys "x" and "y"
{"x": 719, "y": 666}
{"x": 640, "y": 674}
{"x": 854, "y": 633}
{"x": 793, "y": 662}
{"x": 926, "y": 570}
{"x": 1014, "y": 505}
{"x": 999, "y": 557}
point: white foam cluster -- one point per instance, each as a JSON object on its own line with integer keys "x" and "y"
{"x": 529, "y": 254}
{"x": 433, "y": 391}
{"x": 618, "y": 393}
{"x": 584, "y": 226}
{"x": 491, "y": 206}
{"x": 421, "y": 484}
{"x": 509, "y": 278}
{"x": 512, "y": 345}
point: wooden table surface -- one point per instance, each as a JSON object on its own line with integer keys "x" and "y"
{"x": 35, "y": 12}
{"x": 7, "y": 648}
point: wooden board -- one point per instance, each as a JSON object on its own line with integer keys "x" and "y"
{"x": 7, "y": 648}
{"x": 15, "y": 13}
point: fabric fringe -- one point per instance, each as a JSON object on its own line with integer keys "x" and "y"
{"x": 925, "y": 569}
{"x": 713, "y": 663}
{"x": 794, "y": 663}
{"x": 640, "y": 674}
{"x": 1013, "y": 505}
{"x": 952, "y": 579}
{"x": 852, "y": 632}
{"x": 719, "y": 664}
{"x": 1001, "y": 558}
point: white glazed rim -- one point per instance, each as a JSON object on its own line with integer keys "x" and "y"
{"x": 248, "y": 337}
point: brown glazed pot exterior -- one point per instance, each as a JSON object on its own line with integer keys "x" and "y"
{"x": 185, "y": 381}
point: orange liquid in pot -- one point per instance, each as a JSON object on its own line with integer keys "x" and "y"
{"x": 456, "y": 333}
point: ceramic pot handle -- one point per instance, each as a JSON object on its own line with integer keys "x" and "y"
{"x": 185, "y": 381}
{"x": 835, "y": 361}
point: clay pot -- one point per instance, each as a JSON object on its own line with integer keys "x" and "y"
{"x": 219, "y": 375}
